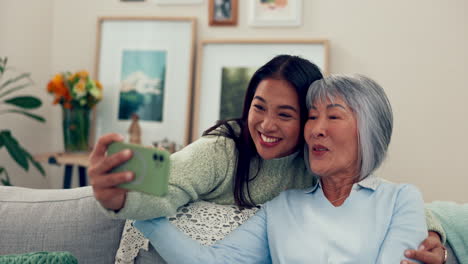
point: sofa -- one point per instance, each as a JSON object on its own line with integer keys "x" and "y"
{"x": 65, "y": 220}
{"x": 61, "y": 220}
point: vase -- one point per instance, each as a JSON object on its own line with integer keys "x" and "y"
{"x": 76, "y": 129}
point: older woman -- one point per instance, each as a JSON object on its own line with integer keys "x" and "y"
{"x": 349, "y": 216}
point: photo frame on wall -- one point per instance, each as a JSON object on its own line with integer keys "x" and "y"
{"x": 275, "y": 13}
{"x": 178, "y": 2}
{"x": 223, "y": 12}
{"x": 145, "y": 65}
{"x": 226, "y": 66}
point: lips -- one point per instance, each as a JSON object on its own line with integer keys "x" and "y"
{"x": 268, "y": 141}
{"x": 319, "y": 150}
{"x": 317, "y": 147}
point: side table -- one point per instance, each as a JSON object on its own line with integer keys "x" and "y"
{"x": 69, "y": 160}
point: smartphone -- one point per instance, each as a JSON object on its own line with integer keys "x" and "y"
{"x": 149, "y": 165}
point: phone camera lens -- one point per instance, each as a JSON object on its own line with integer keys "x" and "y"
{"x": 155, "y": 156}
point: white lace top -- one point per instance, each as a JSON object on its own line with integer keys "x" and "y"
{"x": 202, "y": 221}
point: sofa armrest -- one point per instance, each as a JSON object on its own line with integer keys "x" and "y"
{"x": 57, "y": 220}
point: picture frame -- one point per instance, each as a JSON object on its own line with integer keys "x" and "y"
{"x": 275, "y": 13}
{"x": 145, "y": 65}
{"x": 219, "y": 57}
{"x": 223, "y": 12}
{"x": 178, "y": 2}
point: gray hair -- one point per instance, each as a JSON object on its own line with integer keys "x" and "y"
{"x": 372, "y": 109}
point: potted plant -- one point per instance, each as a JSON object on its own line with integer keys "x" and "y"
{"x": 22, "y": 105}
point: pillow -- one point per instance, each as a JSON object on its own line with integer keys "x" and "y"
{"x": 39, "y": 257}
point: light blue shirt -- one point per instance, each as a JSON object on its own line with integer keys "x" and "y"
{"x": 376, "y": 224}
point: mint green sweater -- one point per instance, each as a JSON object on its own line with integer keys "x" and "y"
{"x": 454, "y": 219}
{"x": 204, "y": 170}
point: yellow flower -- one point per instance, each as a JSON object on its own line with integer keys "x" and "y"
{"x": 80, "y": 88}
{"x": 98, "y": 84}
{"x": 82, "y": 74}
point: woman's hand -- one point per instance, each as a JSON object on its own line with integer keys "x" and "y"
{"x": 105, "y": 184}
{"x": 431, "y": 251}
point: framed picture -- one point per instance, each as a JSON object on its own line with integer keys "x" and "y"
{"x": 178, "y": 2}
{"x": 265, "y": 13}
{"x": 226, "y": 66}
{"x": 222, "y": 12}
{"x": 145, "y": 65}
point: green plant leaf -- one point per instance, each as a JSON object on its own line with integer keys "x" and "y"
{"x": 6, "y": 182}
{"x": 13, "y": 80}
{"x": 3, "y": 63}
{"x": 33, "y": 116}
{"x": 14, "y": 89}
{"x": 14, "y": 149}
{"x": 26, "y": 102}
{"x": 34, "y": 162}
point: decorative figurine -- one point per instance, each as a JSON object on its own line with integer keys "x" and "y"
{"x": 135, "y": 130}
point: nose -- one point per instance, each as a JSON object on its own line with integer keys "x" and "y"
{"x": 268, "y": 124}
{"x": 318, "y": 128}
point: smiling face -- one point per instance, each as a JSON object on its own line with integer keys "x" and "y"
{"x": 332, "y": 136}
{"x": 274, "y": 119}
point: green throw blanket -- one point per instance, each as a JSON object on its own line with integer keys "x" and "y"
{"x": 39, "y": 257}
{"x": 454, "y": 220}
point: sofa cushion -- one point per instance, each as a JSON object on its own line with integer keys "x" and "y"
{"x": 57, "y": 220}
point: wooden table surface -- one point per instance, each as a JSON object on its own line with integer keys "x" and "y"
{"x": 64, "y": 158}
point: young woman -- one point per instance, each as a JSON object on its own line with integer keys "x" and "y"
{"x": 244, "y": 161}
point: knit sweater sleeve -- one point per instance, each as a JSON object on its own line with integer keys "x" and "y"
{"x": 434, "y": 225}
{"x": 195, "y": 170}
{"x": 453, "y": 217}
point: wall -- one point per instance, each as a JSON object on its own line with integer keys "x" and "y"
{"x": 417, "y": 50}
{"x": 25, "y": 37}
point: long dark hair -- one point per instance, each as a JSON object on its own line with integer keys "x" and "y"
{"x": 300, "y": 73}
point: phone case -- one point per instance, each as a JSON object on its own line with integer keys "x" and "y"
{"x": 150, "y": 166}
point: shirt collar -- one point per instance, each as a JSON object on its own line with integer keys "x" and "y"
{"x": 371, "y": 182}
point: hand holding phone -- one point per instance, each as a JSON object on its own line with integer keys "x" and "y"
{"x": 149, "y": 165}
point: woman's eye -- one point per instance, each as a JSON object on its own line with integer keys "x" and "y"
{"x": 333, "y": 117}
{"x": 259, "y": 107}
{"x": 312, "y": 117}
{"x": 285, "y": 115}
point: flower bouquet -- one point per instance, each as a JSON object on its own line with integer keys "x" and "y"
{"x": 77, "y": 93}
